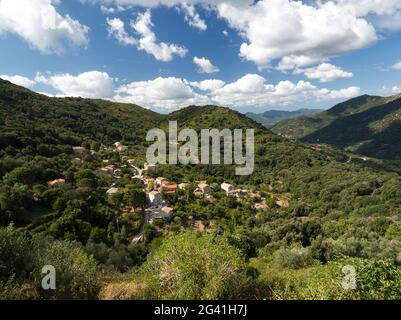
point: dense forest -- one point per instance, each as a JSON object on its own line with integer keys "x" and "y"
{"x": 310, "y": 211}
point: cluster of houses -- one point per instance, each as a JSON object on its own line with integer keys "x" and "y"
{"x": 58, "y": 183}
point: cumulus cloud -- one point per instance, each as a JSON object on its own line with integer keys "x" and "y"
{"x": 208, "y": 85}
{"x": 205, "y": 66}
{"x": 39, "y": 23}
{"x": 161, "y": 93}
{"x": 383, "y": 14}
{"x": 192, "y": 17}
{"x": 325, "y": 72}
{"x": 116, "y": 29}
{"x": 296, "y": 33}
{"x": 92, "y": 84}
{"x": 290, "y": 34}
{"x": 156, "y": 3}
{"x": 252, "y": 90}
{"x": 149, "y": 43}
{"x": 19, "y": 80}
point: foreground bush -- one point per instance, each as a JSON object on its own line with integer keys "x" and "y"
{"x": 188, "y": 266}
{"x": 22, "y": 260}
{"x": 375, "y": 280}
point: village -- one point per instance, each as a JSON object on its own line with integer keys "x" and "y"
{"x": 157, "y": 189}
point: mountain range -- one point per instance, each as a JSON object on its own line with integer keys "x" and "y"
{"x": 272, "y": 117}
{"x": 366, "y": 125}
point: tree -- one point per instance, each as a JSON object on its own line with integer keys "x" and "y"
{"x": 134, "y": 197}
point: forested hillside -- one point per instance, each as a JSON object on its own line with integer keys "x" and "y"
{"x": 367, "y": 125}
{"x": 284, "y": 232}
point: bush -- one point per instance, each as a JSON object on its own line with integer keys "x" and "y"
{"x": 188, "y": 266}
{"x": 16, "y": 256}
{"x": 295, "y": 258}
{"x": 77, "y": 275}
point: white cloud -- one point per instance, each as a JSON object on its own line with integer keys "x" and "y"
{"x": 208, "y": 85}
{"x": 148, "y": 41}
{"x": 296, "y": 33}
{"x": 116, "y": 28}
{"x": 170, "y": 3}
{"x": 19, "y": 80}
{"x": 161, "y": 93}
{"x": 397, "y": 66}
{"x": 92, "y": 84}
{"x": 225, "y": 32}
{"x": 325, "y": 72}
{"x": 39, "y": 23}
{"x": 384, "y": 14}
{"x": 205, "y": 66}
{"x": 250, "y": 91}
{"x": 192, "y": 17}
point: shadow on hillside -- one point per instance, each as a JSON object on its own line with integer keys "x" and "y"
{"x": 354, "y": 129}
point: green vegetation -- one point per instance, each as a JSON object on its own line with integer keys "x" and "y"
{"x": 366, "y": 125}
{"x": 308, "y": 211}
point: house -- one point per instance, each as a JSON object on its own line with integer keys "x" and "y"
{"x": 168, "y": 210}
{"x": 169, "y": 188}
{"x": 183, "y": 186}
{"x": 161, "y": 214}
{"x": 198, "y": 193}
{"x": 112, "y": 191}
{"x": 120, "y": 147}
{"x": 160, "y": 180}
{"x": 148, "y": 180}
{"x": 78, "y": 150}
{"x": 204, "y": 187}
{"x": 56, "y": 183}
{"x": 238, "y": 193}
{"x": 227, "y": 187}
{"x": 150, "y": 167}
{"x": 155, "y": 198}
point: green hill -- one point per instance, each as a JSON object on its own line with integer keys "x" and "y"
{"x": 367, "y": 125}
{"x": 213, "y": 117}
{"x": 27, "y": 118}
{"x": 272, "y": 117}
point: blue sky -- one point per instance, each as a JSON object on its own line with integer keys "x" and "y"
{"x": 250, "y": 57}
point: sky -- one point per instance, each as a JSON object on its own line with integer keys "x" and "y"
{"x": 164, "y": 55}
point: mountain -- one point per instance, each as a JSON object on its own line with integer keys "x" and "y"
{"x": 367, "y": 125}
{"x": 272, "y": 117}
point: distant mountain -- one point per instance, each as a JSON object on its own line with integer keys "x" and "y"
{"x": 367, "y": 125}
{"x": 272, "y": 117}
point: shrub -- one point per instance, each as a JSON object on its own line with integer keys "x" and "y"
{"x": 188, "y": 266}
